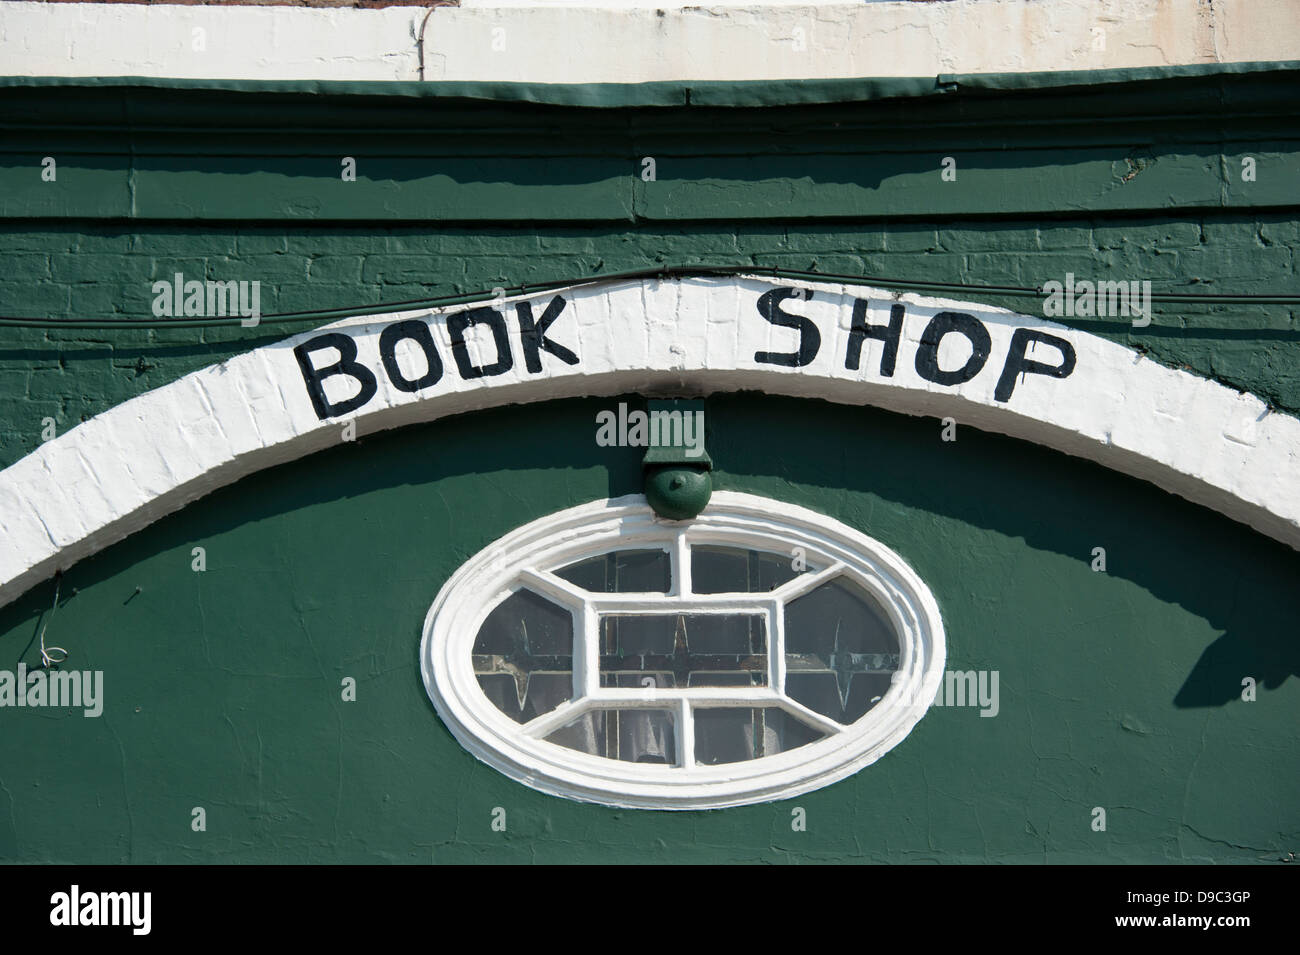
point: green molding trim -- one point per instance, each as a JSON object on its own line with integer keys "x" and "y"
{"x": 716, "y": 93}
{"x": 1027, "y": 144}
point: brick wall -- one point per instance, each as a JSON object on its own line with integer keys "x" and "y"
{"x": 78, "y": 271}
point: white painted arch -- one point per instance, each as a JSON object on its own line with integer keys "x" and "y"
{"x": 150, "y": 456}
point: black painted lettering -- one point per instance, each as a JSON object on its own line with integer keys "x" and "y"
{"x": 810, "y": 339}
{"x": 346, "y": 365}
{"x": 533, "y": 335}
{"x": 1017, "y": 363}
{"x": 889, "y": 334}
{"x": 459, "y": 323}
{"x": 927, "y": 355}
{"x": 418, "y": 332}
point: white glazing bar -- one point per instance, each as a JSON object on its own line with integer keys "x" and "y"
{"x": 578, "y": 621}
{"x": 548, "y": 723}
{"x": 549, "y": 585}
{"x": 681, "y": 565}
{"x": 668, "y": 603}
{"x": 685, "y": 735}
{"x": 590, "y": 650}
{"x": 776, "y": 647}
{"x": 813, "y": 718}
{"x": 806, "y": 582}
{"x": 632, "y": 698}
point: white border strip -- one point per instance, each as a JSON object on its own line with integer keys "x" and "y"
{"x": 150, "y": 456}
{"x": 635, "y": 41}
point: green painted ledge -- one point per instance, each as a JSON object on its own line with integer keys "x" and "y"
{"x": 1031, "y": 144}
{"x": 744, "y": 93}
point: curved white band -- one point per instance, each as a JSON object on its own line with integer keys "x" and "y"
{"x": 153, "y": 454}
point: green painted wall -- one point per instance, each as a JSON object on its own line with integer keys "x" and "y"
{"x": 1118, "y": 690}
{"x": 1129, "y": 140}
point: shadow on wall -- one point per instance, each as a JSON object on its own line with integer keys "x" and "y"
{"x": 1236, "y": 579}
{"x": 1272, "y": 656}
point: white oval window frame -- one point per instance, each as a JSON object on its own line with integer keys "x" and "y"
{"x": 525, "y": 556}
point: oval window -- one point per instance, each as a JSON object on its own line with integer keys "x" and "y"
{"x": 754, "y": 653}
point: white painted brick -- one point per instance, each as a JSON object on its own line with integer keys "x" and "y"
{"x": 24, "y": 541}
{"x": 100, "y": 448}
{"x": 49, "y": 478}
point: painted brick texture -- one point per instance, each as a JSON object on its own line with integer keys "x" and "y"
{"x": 106, "y": 272}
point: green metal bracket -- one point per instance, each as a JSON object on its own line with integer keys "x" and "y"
{"x": 678, "y": 484}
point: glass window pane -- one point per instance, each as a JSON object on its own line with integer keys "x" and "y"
{"x": 840, "y": 650}
{"x": 622, "y": 572}
{"x": 728, "y": 570}
{"x": 733, "y": 734}
{"x": 679, "y": 650}
{"x": 523, "y": 656}
{"x": 634, "y": 736}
